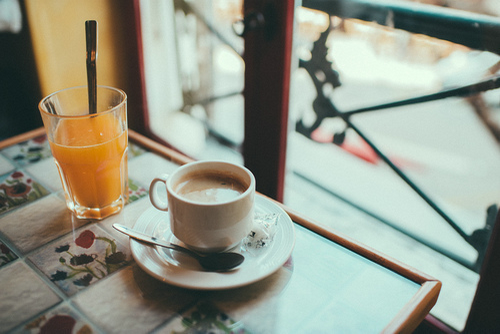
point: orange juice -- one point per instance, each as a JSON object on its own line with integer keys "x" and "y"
{"x": 90, "y": 154}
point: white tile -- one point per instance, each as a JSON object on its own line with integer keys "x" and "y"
{"x": 5, "y": 165}
{"x": 140, "y": 302}
{"x": 144, "y": 168}
{"x": 38, "y": 223}
{"x": 46, "y": 173}
{"x": 23, "y": 297}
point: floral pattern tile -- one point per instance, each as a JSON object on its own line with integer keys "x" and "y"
{"x": 204, "y": 318}
{"x": 6, "y": 254}
{"x": 81, "y": 259}
{"x": 30, "y": 151}
{"x": 135, "y": 191}
{"x": 61, "y": 319}
{"x": 19, "y": 188}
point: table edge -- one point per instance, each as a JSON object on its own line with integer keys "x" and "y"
{"x": 22, "y": 137}
{"x": 409, "y": 316}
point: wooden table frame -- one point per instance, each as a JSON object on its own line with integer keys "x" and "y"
{"x": 409, "y": 317}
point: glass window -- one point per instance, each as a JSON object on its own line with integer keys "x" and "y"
{"x": 195, "y": 81}
{"x": 447, "y": 147}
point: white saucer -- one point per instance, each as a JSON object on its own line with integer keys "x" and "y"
{"x": 181, "y": 270}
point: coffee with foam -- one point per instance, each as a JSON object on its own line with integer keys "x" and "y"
{"x": 210, "y": 187}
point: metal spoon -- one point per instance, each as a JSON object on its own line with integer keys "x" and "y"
{"x": 214, "y": 261}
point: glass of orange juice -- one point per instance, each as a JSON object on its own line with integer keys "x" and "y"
{"x": 90, "y": 150}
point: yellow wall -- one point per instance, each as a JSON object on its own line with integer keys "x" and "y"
{"x": 58, "y": 35}
{"x": 57, "y": 30}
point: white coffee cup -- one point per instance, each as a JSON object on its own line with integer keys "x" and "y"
{"x": 210, "y": 204}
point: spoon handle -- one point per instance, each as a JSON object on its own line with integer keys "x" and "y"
{"x": 150, "y": 239}
{"x": 219, "y": 262}
{"x": 91, "y": 44}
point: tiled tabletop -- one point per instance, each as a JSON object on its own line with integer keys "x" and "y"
{"x": 60, "y": 274}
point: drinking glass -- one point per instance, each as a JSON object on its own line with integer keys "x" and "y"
{"x": 90, "y": 150}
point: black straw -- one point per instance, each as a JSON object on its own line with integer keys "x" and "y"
{"x": 91, "y": 43}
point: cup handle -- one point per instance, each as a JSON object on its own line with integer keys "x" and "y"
{"x": 154, "y": 197}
